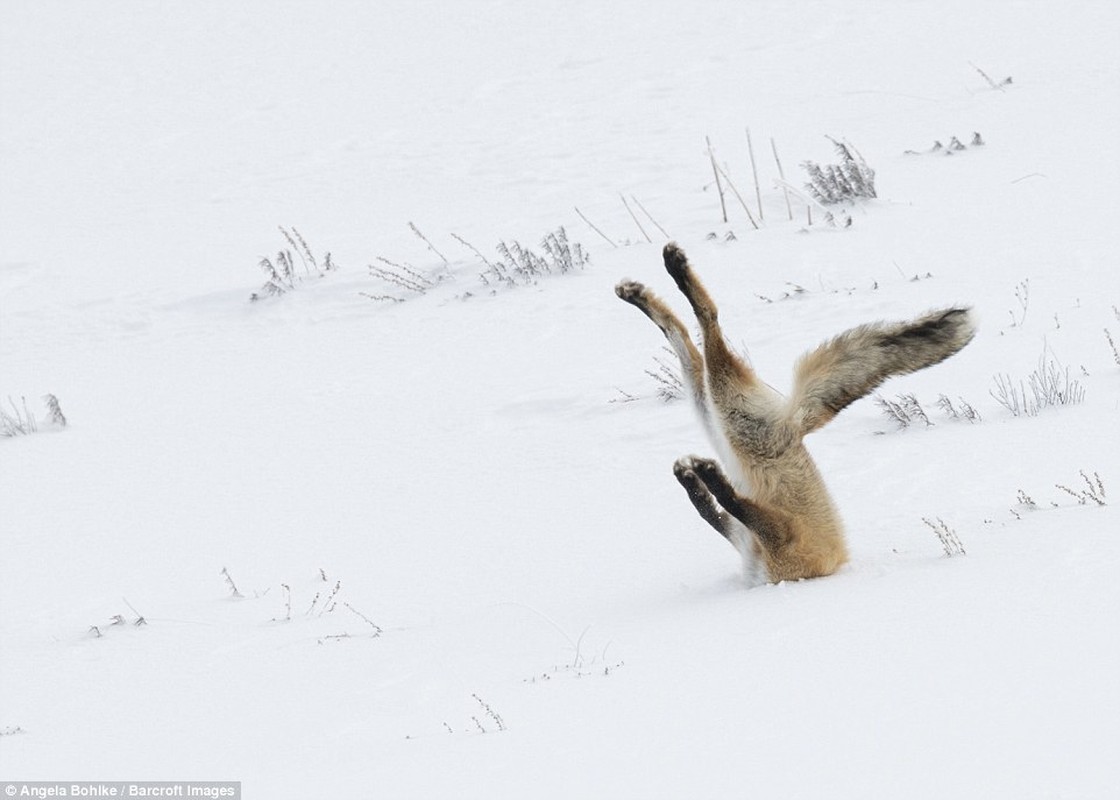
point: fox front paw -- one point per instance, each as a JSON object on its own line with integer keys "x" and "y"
{"x": 632, "y": 292}
{"x": 682, "y": 470}
{"x": 693, "y": 467}
{"x": 687, "y": 477}
{"x": 705, "y": 469}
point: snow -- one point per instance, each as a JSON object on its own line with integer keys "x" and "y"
{"x": 498, "y": 522}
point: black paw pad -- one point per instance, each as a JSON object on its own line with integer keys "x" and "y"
{"x": 707, "y": 470}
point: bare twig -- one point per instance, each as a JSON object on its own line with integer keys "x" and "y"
{"x": 650, "y": 216}
{"x": 473, "y": 249}
{"x": 719, "y": 186}
{"x": 139, "y": 617}
{"x": 754, "y": 169}
{"x": 229, "y": 582}
{"x": 739, "y": 197}
{"x": 401, "y": 275}
{"x": 633, "y": 217}
{"x": 305, "y": 249}
{"x": 984, "y": 75}
{"x": 328, "y": 604}
{"x": 596, "y": 229}
{"x": 287, "y": 602}
{"x": 782, "y": 176}
{"x": 624, "y": 397}
{"x": 376, "y": 628}
{"x": 430, "y": 245}
{"x": 298, "y": 249}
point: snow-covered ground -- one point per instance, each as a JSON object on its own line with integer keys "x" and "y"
{"x": 464, "y": 566}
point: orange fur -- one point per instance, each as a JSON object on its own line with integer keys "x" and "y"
{"x": 773, "y": 505}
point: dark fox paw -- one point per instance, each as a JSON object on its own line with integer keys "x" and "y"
{"x": 682, "y": 470}
{"x": 632, "y": 292}
{"x": 706, "y": 470}
{"x": 695, "y": 467}
{"x": 676, "y": 263}
{"x": 686, "y": 477}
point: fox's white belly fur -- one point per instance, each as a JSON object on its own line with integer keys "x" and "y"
{"x": 754, "y": 568}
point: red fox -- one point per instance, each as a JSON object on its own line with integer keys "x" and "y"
{"x": 772, "y": 504}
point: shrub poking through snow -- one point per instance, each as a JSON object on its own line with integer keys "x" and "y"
{"x": 54, "y": 411}
{"x": 491, "y": 714}
{"x": 284, "y": 275}
{"x": 516, "y": 265}
{"x": 233, "y": 592}
{"x": 1112, "y": 346}
{"x": 404, "y": 276}
{"x": 521, "y": 265}
{"x": 1049, "y": 384}
{"x": 950, "y": 542}
{"x": 21, "y": 422}
{"x": 955, "y": 145}
{"x": 118, "y": 620}
{"x": 1094, "y": 491}
{"x": 1023, "y": 298}
{"x": 965, "y": 410}
{"x": 905, "y": 410}
{"x": 849, "y": 180}
{"x": 670, "y": 387}
{"x": 1026, "y": 501}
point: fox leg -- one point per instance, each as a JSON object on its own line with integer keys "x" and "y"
{"x": 749, "y": 411}
{"x": 737, "y": 533}
{"x": 772, "y": 526}
{"x": 727, "y": 374}
{"x": 702, "y": 499}
{"x": 692, "y": 363}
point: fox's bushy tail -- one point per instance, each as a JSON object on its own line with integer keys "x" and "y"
{"x": 852, "y": 364}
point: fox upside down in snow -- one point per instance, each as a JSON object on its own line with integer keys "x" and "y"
{"x": 772, "y": 506}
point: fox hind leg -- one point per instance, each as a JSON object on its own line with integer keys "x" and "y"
{"x": 702, "y": 499}
{"x": 730, "y": 528}
{"x": 772, "y": 526}
{"x": 676, "y": 264}
{"x": 748, "y": 411}
{"x": 727, "y": 374}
